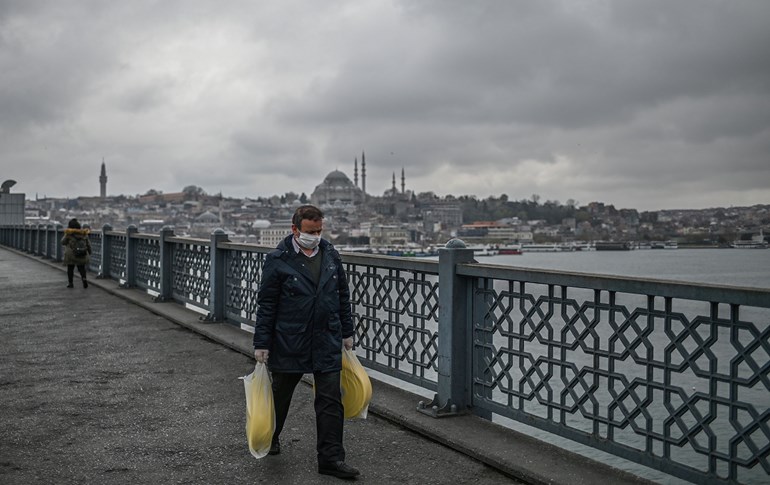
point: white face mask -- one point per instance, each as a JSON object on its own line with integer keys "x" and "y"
{"x": 308, "y": 241}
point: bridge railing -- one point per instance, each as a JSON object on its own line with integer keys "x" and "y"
{"x": 671, "y": 375}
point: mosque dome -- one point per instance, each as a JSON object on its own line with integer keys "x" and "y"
{"x": 337, "y": 178}
{"x": 337, "y": 189}
{"x": 207, "y": 218}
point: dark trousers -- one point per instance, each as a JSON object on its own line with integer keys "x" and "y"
{"x": 329, "y": 414}
{"x": 71, "y": 271}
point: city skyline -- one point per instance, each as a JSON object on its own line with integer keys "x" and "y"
{"x": 642, "y": 104}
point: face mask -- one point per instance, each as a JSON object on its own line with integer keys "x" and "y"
{"x": 308, "y": 241}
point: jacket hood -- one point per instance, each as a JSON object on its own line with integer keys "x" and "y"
{"x": 72, "y": 232}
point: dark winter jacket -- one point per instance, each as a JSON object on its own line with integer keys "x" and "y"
{"x": 302, "y": 324}
{"x": 69, "y": 241}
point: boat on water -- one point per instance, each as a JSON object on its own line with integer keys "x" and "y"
{"x": 541, "y": 248}
{"x": 612, "y": 246}
{"x": 509, "y": 250}
{"x": 664, "y": 245}
{"x": 756, "y": 242}
{"x": 484, "y": 250}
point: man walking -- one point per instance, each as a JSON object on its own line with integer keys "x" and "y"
{"x": 303, "y": 320}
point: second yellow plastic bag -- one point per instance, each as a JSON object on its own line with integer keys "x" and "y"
{"x": 355, "y": 385}
{"x": 260, "y": 411}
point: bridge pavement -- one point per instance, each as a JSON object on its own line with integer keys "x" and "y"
{"x": 101, "y": 385}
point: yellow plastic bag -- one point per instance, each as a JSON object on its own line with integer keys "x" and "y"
{"x": 355, "y": 385}
{"x": 260, "y": 410}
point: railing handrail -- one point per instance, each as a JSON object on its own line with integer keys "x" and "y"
{"x": 736, "y": 295}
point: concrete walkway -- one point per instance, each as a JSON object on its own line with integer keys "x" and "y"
{"x": 102, "y": 385}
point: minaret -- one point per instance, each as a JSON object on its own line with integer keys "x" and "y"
{"x": 394, "y": 183}
{"x": 355, "y": 173}
{"x": 103, "y": 182}
{"x": 403, "y": 181}
{"x": 363, "y": 173}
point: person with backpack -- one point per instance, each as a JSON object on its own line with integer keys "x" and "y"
{"x": 77, "y": 249}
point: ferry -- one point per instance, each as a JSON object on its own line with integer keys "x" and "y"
{"x": 756, "y": 242}
{"x": 664, "y": 245}
{"x": 510, "y": 250}
{"x": 484, "y": 250}
{"x": 541, "y": 248}
{"x": 612, "y": 246}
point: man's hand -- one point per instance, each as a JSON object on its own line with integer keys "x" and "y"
{"x": 261, "y": 355}
{"x": 347, "y": 343}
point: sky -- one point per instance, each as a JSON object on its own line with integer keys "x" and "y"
{"x": 646, "y": 104}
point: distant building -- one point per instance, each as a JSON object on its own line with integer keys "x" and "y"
{"x": 11, "y": 205}
{"x": 273, "y": 234}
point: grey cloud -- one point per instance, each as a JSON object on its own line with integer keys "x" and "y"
{"x": 637, "y": 103}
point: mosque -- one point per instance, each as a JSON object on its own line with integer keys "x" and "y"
{"x": 337, "y": 190}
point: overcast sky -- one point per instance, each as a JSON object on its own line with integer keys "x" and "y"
{"x": 649, "y": 104}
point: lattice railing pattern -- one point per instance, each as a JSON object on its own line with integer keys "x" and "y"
{"x": 396, "y": 312}
{"x": 148, "y": 263}
{"x": 654, "y": 379}
{"x": 95, "y": 262}
{"x": 52, "y": 242}
{"x": 191, "y": 266}
{"x": 242, "y": 280}
{"x": 117, "y": 256}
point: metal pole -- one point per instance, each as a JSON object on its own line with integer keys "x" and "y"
{"x": 166, "y": 265}
{"x": 130, "y": 257}
{"x": 217, "y": 277}
{"x": 454, "y": 330}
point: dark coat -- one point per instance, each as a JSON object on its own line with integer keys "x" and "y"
{"x": 68, "y": 241}
{"x": 301, "y": 324}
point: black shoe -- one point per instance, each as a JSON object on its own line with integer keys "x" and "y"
{"x": 85, "y": 283}
{"x": 275, "y": 448}
{"x": 338, "y": 469}
{"x": 70, "y": 285}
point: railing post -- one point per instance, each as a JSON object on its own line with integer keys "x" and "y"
{"x": 47, "y": 253}
{"x": 106, "y": 253}
{"x": 454, "y": 335}
{"x": 217, "y": 277}
{"x": 166, "y": 265}
{"x": 130, "y": 257}
{"x": 38, "y": 239}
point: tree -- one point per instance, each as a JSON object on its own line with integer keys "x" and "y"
{"x": 193, "y": 191}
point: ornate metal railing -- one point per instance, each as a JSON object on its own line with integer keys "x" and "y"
{"x": 95, "y": 262}
{"x": 675, "y": 376}
{"x": 669, "y": 375}
{"x": 395, "y": 307}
